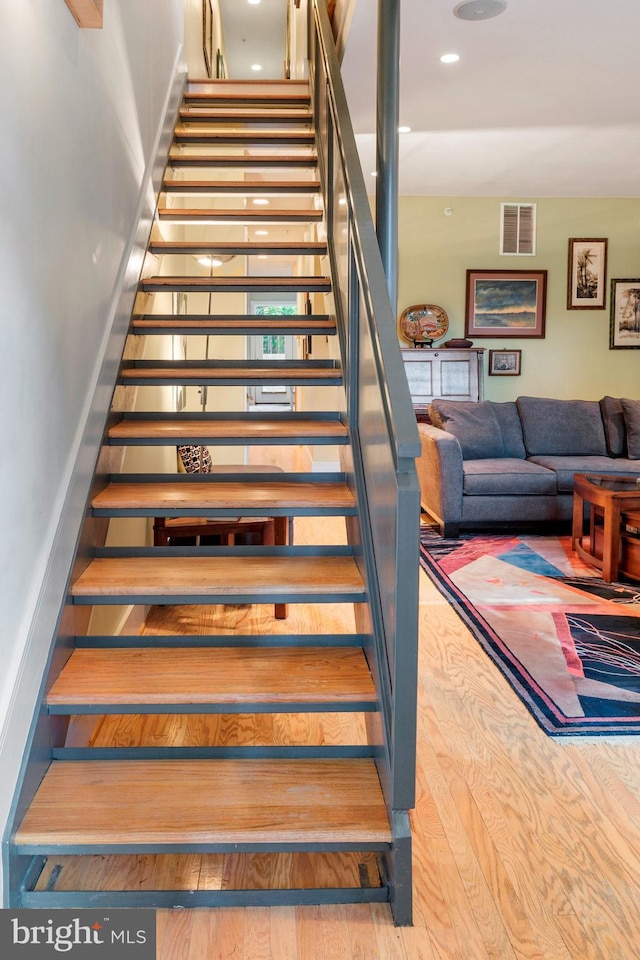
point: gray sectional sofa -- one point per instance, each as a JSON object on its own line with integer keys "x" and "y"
{"x": 485, "y": 464}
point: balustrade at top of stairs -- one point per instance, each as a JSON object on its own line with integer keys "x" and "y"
{"x": 243, "y": 792}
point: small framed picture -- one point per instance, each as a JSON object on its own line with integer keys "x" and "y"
{"x": 587, "y": 281}
{"x": 505, "y": 303}
{"x": 624, "y": 329}
{"x": 505, "y": 363}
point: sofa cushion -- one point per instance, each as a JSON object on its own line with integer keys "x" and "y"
{"x": 562, "y": 427}
{"x": 507, "y": 476}
{"x": 631, "y": 410}
{"x": 475, "y": 425}
{"x": 566, "y": 467}
{"x": 614, "y": 427}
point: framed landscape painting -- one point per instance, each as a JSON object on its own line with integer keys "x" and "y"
{"x": 624, "y": 331}
{"x": 586, "y": 284}
{"x": 506, "y": 303}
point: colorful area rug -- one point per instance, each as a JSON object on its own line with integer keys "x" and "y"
{"x": 567, "y": 642}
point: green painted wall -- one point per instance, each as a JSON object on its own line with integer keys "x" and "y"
{"x": 573, "y": 360}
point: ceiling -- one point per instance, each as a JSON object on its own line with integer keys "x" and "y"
{"x": 254, "y": 33}
{"x": 544, "y": 101}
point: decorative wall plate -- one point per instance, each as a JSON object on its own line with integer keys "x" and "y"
{"x": 423, "y": 323}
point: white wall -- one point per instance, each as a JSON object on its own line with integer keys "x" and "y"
{"x": 81, "y": 113}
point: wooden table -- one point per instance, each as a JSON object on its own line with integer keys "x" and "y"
{"x": 611, "y": 501}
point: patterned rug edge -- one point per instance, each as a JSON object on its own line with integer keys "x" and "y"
{"x": 548, "y": 719}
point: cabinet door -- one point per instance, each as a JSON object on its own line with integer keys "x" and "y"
{"x": 459, "y": 377}
{"x": 422, "y": 376}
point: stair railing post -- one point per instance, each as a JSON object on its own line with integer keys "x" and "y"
{"x": 353, "y": 337}
{"x": 387, "y": 120}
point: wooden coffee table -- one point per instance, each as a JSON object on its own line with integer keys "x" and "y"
{"x": 613, "y": 503}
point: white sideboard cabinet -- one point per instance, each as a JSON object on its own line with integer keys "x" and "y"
{"x": 451, "y": 374}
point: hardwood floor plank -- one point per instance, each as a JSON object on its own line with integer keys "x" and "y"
{"x": 177, "y": 933}
{"x": 204, "y": 934}
{"x": 521, "y": 939}
{"x": 389, "y": 939}
{"x": 228, "y": 730}
{"x": 309, "y": 934}
{"x": 230, "y": 943}
{"x": 258, "y": 932}
{"x": 242, "y": 620}
{"x": 284, "y": 944}
{"x": 335, "y": 934}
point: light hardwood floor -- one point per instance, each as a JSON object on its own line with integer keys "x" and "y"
{"x": 524, "y": 846}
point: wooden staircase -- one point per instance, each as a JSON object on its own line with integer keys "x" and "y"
{"x": 311, "y": 799}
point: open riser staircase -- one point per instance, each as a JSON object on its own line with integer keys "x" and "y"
{"x": 279, "y": 800}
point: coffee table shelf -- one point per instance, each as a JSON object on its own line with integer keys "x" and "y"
{"x": 612, "y": 503}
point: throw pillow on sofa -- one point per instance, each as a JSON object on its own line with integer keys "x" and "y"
{"x": 474, "y": 424}
{"x": 614, "y": 427}
{"x": 631, "y": 410}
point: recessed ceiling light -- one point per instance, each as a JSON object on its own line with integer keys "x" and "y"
{"x": 256, "y": 67}
{"x": 262, "y": 256}
{"x": 261, "y": 201}
{"x": 404, "y": 129}
{"x": 262, "y": 233}
{"x": 374, "y": 173}
{"x": 479, "y": 9}
{"x": 253, "y": 2}
{"x": 449, "y": 58}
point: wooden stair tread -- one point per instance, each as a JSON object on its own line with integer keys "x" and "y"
{"x": 200, "y": 374}
{"x": 221, "y": 283}
{"x": 282, "y": 160}
{"x": 174, "y": 430}
{"x": 232, "y": 495}
{"x": 228, "y": 576}
{"x": 231, "y": 213}
{"x": 110, "y": 803}
{"x": 250, "y": 89}
{"x": 202, "y": 323}
{"x": 263, "y": 187}
{"x": 218, "y": 675}
{"x": 245, "y": 136}
{"x": 239, "y": 247}
{"x": 202, "y": 113}
{"x": 269, "y": 99}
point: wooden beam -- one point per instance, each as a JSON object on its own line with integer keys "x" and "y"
{"x": 87, "y": 13}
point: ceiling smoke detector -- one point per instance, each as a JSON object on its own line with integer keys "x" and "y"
{"x": 479, "y": 9}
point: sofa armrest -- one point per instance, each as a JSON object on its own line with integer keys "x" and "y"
{"x": 439, "y": 469}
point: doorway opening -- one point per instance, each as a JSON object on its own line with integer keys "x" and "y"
{"x": 271, "y": 346}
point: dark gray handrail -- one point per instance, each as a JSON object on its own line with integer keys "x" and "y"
{"x": 404, "y": 428}
{"x": 384, "y": 434}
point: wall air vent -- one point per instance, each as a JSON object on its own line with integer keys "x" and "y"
{"x": 518, "y": 229}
